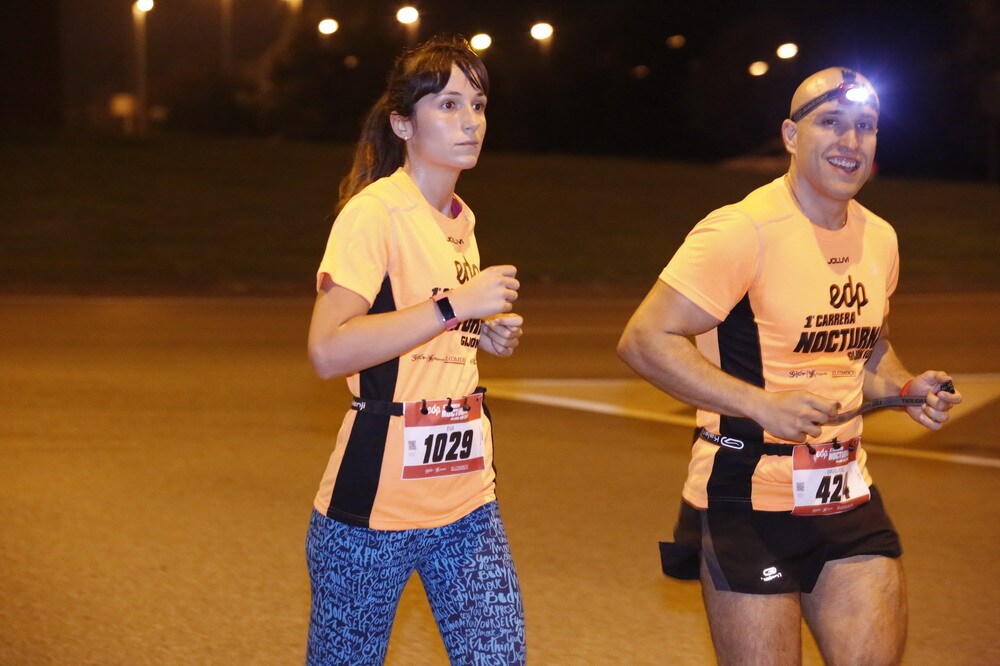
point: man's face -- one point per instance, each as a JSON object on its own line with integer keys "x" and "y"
{"x": 833, "y": 147}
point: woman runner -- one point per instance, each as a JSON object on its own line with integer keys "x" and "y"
{"x": 402, "y": 308}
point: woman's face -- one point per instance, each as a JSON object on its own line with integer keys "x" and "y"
{"x": 447, "y": 128}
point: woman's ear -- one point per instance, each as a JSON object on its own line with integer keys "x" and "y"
{"x": 401, "y": 126}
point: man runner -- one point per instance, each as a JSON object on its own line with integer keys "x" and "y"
{"x": 786, "y": 294}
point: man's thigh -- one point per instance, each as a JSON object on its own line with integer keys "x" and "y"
{"x": 753, "y": 628}
{"x": 857, "y": 611}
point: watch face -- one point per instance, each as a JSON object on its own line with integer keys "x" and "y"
{"x": 447, "y": 312}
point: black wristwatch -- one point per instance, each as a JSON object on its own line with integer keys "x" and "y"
{"x": 447, "y": 312}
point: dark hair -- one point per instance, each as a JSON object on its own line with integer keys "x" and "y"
{"x": 417, "y": 72}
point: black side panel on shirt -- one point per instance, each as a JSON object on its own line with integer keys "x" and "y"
{"x": 739, "y": 356}
{"x": 489, "y": 417}
{"x": 357, "y": 480}
{"x": 379, "y": 382}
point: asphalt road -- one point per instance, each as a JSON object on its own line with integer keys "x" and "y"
{"x": 160, "y": 457}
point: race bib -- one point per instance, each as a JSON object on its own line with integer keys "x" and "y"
{"x": 827, "y": 481}
{"x": 446, "y": 441}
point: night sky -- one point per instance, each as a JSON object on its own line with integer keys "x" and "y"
{"x": 932, "y": 62}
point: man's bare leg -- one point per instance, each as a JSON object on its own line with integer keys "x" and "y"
{"x": 857, "y": 611}
{"x": 753, "y": 628}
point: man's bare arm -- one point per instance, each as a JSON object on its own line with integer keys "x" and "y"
{"x": 656, "y": 345}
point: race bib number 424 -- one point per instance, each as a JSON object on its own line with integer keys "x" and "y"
{"x": 446, "y": 440}
{"x": 827, "y": 480}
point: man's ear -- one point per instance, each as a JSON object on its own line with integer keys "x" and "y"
{"x": 401, "y": 126}
{"x": 788, "y": 135}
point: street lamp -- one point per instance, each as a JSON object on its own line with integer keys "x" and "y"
{"x": 787, "y": 50}
{"x": 328, "y": 26}
{"x": 481, "y": 42}
{"x": 541, "y": 31}
{"x": 410, "y": 18}
{"x": 139, "y": 10}
{"x": 676, "y": 41}
{"x": 407, "y": 15}
{"x": 758, "y": 68}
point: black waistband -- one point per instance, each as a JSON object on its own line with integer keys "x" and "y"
{"x": 379, "y": 407}
{"x": 386, "y": 408}
{"x": 766, "y": 448}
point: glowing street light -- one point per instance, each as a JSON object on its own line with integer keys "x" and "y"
{"x": 676, "y": 41}
{"x": 639, "y": 71}
{"x": 758, "y": 68}
{"x": 139, "y": 10}
{"x": 481, "y": 42}
{"x": 787, "y": 50}
{"x": 541, "y": 31}
{"x": 410, "y": 18}
{"x": 328, "y": 26}
{"x": 407, "y": 15}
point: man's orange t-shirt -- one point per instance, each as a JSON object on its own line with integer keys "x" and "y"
{"x": 801, "y": 308}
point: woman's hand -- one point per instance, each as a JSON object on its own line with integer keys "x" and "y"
{"x": 500, "y": 334}
{"x": 492, "y": 291}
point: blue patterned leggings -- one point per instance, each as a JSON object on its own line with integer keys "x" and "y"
{"x": 358, "y": 575}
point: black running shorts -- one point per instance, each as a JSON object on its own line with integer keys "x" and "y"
{"x": 773, "y": 552}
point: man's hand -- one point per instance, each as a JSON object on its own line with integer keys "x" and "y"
{"x": 937, "y": 403}
{"x": 794, "y": 415}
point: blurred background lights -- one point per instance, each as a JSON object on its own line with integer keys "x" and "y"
{"x": 407, "y": 15}
{"x": 481, "y": 41}
{"x": 328, "y": 26}
{"x": 676, "y": 41}
{"x": 123, "y": 105}
{"x": 758, "y": 68}
{"x": 639, "y": 72}
{"x": 788, "y": 50}
{"x": 144, "y": 5}
{"x": 351, "y": 61}
{"x": 541, "y": 31}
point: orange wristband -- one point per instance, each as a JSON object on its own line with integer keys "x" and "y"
{"x": 906, "y": 388}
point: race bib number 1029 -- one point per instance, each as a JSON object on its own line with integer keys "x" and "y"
{"x": 443, "y": 442}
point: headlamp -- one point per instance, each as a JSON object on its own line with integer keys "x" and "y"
{"x": 848, "y": 92}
